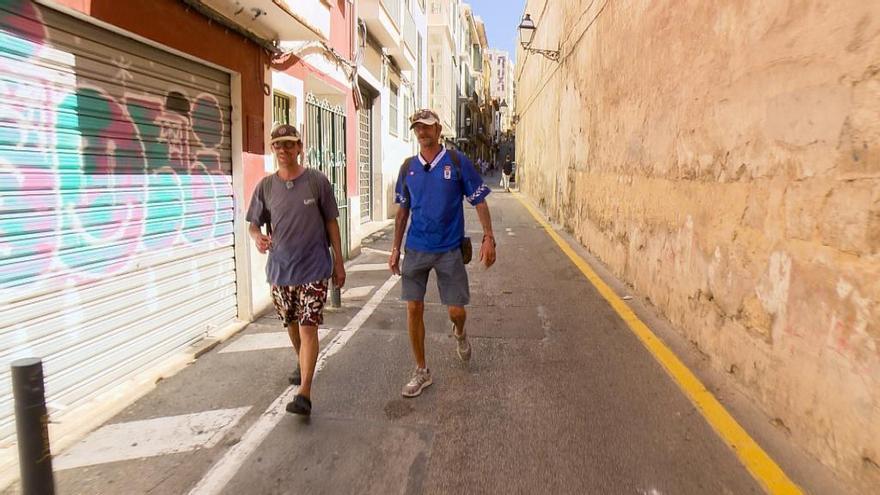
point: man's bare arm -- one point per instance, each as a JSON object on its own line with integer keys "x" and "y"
{"x": 400, "y": 221}
{"x": 332, "y": 226}
{"x": 487, "y": 247}
{"x": 263, "y": 242}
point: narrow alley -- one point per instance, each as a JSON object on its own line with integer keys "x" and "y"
{"x": 560, "y": 397}
{"x": 684, "y": 199}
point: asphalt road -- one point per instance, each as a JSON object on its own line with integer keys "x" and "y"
{"x": 559, "y": 397}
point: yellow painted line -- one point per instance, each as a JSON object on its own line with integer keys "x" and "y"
{"x": 759, "y": 464}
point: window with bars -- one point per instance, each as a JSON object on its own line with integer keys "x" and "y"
{"x": 393, "y": 111}
{"x": 280, "y": 109}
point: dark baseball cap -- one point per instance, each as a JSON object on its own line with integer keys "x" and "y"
{"x": 284, "y": 132}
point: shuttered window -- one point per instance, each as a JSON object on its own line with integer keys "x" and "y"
{"x": 280, "y": 109}
{"x": 393, "y": 114}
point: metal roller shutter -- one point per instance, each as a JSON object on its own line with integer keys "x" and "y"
{"x": 116, "y": 211}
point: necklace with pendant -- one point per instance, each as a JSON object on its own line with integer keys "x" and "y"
{"x": 289, "y": 184}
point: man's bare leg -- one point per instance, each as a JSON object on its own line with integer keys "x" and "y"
{"x": 293, "y": 332}
{"x": 308, "y": 357}
{"x": 415, "y": 322}
{"x": 458, "y": 315}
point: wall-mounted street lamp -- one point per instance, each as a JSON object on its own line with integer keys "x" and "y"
{"x": 527, "y": 32}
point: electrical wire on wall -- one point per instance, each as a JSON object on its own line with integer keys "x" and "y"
{"x": 284, "y": 55}
{"x": 349, "y": 67}
{"x": 526, "y": 54}
{"x": 358, "y": 61}
{"x": 580, "y": 17}
{"x": 567, "y": 54}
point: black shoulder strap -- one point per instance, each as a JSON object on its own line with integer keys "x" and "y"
{"x": 311, "y": 176}
{"x": 456, "y": 161}
{"x": 404, "y": 168}
{"x": 453, "y": 155}
{"x": 313, "y": 182}
{"x": 265, "y": 192}
{"x": 266, "y": 188}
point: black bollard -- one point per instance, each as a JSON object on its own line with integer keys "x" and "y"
{"x": 32, "y": 427}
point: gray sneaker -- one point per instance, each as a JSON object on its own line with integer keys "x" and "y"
{"x": 420, "y": 380}
{"x": 463, "y": 347}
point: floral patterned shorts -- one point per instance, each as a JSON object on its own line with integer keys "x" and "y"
{"x": 303, "y": 304}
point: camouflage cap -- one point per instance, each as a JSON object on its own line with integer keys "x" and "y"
{"x": 424, "y": 116}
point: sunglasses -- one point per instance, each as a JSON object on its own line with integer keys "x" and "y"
{"x": 287, "y": 145}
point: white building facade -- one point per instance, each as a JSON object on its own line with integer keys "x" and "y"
{"x": 392, "y": 77}
{"x": 501, "y": 87}
{"x": 445, "y": 76}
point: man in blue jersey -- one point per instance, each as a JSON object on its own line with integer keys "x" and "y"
{"x": 430, "y": 189}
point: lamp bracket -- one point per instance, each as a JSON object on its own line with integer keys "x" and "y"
{"x": 550, "y": 54}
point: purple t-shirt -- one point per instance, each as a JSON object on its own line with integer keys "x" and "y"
{"x": 299, "y": 253}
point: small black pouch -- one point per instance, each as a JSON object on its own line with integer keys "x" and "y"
{"x": 467, "y": 250}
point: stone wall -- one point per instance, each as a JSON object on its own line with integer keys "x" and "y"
{"x": 723, "y": 157}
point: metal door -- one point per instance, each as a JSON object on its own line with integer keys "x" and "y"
{"x": 324, "y": 135}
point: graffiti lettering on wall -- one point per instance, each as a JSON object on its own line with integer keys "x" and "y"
{"x": 95, "y": 171}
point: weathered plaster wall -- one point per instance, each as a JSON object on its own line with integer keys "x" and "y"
{"x": 724, "y": 158}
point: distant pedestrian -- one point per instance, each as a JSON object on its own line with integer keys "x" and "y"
{"x": 506, "y": 172}
{"x": 299, "y": 210}
{"x": 430, "y": 188}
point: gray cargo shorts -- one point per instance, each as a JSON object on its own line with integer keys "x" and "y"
{"x": 452, "y": 278}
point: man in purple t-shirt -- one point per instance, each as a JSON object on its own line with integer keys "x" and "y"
{"x": 300, "y": 211}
